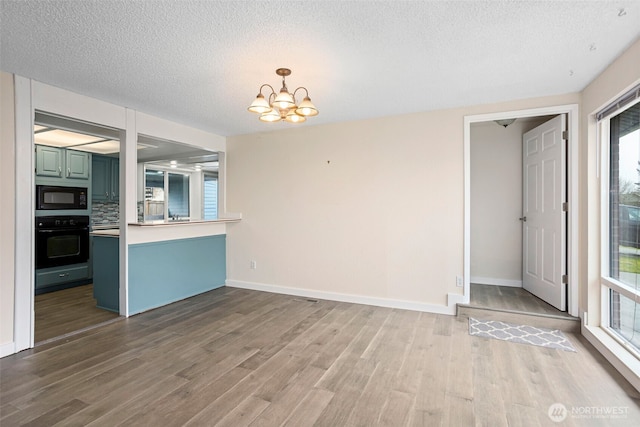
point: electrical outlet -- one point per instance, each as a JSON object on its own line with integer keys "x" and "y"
{"x": 253, "y": 265}
{"x": 459, "y": 281}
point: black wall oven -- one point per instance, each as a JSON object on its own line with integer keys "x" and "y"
{"x": 61, "y": 240}
{"x": 55, "y": 197}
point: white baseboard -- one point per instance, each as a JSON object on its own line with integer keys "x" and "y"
{"x": 355, "y": 299}
{"x": 496, "y": 282}
{"x": 7, "y": 349}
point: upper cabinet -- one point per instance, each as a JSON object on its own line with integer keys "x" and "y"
{"x": 61, "y": 163}
{"x": 105, "y": 179}
{"x": 77, "y": 164}
{"x": 48, "y": 161}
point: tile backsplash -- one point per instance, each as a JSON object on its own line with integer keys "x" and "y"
{"x": 104, "y": 213}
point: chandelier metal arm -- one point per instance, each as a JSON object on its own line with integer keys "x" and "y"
{"x": 267, "y": 85}
{"x": 306, "y": 93}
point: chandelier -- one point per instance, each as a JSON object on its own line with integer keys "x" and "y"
{"x": 283, "y": 106}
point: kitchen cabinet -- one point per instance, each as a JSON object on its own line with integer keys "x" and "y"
{"x": 105, "y": 179}
{"x": 61, "y": 163}
{"x": 77, "y": 163}
{"x": 106, "y": 271}
{"x": 55, "y": 276}
{"x": 48, "y": 161}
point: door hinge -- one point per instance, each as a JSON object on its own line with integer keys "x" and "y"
{"x": 565, "y": 206}
{"x": 565, "y": 278}
{"x": 565, "y": 135}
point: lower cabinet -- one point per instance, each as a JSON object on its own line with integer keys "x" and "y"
{"x": 59, "y": 276}
{"x": 106, "y": 272}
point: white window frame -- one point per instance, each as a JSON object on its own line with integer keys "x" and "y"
{"x": 608, "y": 283}
{"x": 167, "y": 171}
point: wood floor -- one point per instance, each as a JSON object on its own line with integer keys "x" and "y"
{"x": 234, "y": 357}
{"x": 510, "y": 298}
{"x": 61, "y": 312}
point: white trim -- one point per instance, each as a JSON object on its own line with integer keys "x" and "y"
{"x": 157, "y": 127}
{"x": 24, "y": 263}
{"x": 7, "y": 349}
{"x": 452, "y": 299}
{"x": 616, "y": 354}
{"x": 70, "y": 104}
{"x": 572, "y": 111}
{"x": 128, "y": 203}
{"x": 496, "y": 282}
{"x": 621, "y": 288}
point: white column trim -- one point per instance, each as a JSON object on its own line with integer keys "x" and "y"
{"x": 25, "y": 194}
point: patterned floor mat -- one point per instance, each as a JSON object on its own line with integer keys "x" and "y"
{"x": 519, "y": 333}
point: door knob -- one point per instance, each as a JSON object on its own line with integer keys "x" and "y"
{"x": 523, "y": 219}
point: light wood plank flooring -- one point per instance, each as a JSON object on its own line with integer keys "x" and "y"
{"x": 61, "y": 312}
{"x": 234, "y": 357}
{"x": 510, "y": 298}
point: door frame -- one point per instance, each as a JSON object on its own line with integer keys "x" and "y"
{"x": 572, "y": 111}
{"x": 30, "y": 96}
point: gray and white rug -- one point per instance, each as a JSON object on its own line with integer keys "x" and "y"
{"x": 519, "y": 333}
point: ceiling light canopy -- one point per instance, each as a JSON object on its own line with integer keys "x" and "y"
{"x": 283, "y": 105}
{"x": 505, "y": 122}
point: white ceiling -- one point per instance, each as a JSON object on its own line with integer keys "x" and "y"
{"x": 201, "y": 62}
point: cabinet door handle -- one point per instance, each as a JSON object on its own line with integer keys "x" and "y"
{"x": 113, "y": 195}
{"x": 63, "y": 274}
{"x": 106, "y": 194}
{"x": 68, "y": 171}
{"x": 59, "y": 171}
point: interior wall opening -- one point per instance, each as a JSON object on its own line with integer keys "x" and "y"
{"x": 496, "y": 216}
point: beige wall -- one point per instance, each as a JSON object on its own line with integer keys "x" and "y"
{"x": 371, "y": 208}
{"x": 623, "y": 73}
{"x": 7, "y": 213}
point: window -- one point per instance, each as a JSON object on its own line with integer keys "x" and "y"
{"x": 621, "y": 314}
{"x": 166, "y": 195}
{"x": 210, "y": 198}
{"x": 178, "y": 195}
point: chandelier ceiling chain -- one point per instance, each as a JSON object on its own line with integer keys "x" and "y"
{"x": 283, "y": 106}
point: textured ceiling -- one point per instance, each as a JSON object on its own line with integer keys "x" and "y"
{"x": 201, "y": 62}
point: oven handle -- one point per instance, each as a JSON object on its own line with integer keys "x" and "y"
{"x": 51, "y": 230}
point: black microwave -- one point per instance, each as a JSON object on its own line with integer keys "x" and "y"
{"x": 50, "y": 197}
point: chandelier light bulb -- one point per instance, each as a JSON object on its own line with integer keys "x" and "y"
{"x": 306, "y": 108}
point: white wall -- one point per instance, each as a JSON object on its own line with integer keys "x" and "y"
{"x": 370, "y": 209}
{"x": 496, "y": 202}
{"x": 7, "y": 213}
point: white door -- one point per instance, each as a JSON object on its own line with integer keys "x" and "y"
{"x": 544, "y": 221}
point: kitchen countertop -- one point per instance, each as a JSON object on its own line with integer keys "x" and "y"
{"x": 190, "y": 221}
{"x": 106, "y": 233}
{"x": 104, "y": 226}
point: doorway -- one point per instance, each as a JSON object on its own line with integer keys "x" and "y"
{"x": 493, "y": 209}
{"x": 71, "y": 205}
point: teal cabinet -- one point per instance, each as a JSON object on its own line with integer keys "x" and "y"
{"x": 49, "y": 161}
{"x": 77, "y": 163}
{"x": 62, "y": 163}
{"x": 105, "y": 178}
{"x": 114, "y": 179}
{"x": 47, "y": 277}
{"x": 106, "y": 272}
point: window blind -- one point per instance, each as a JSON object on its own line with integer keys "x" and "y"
{"x": 619, "y": 103}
